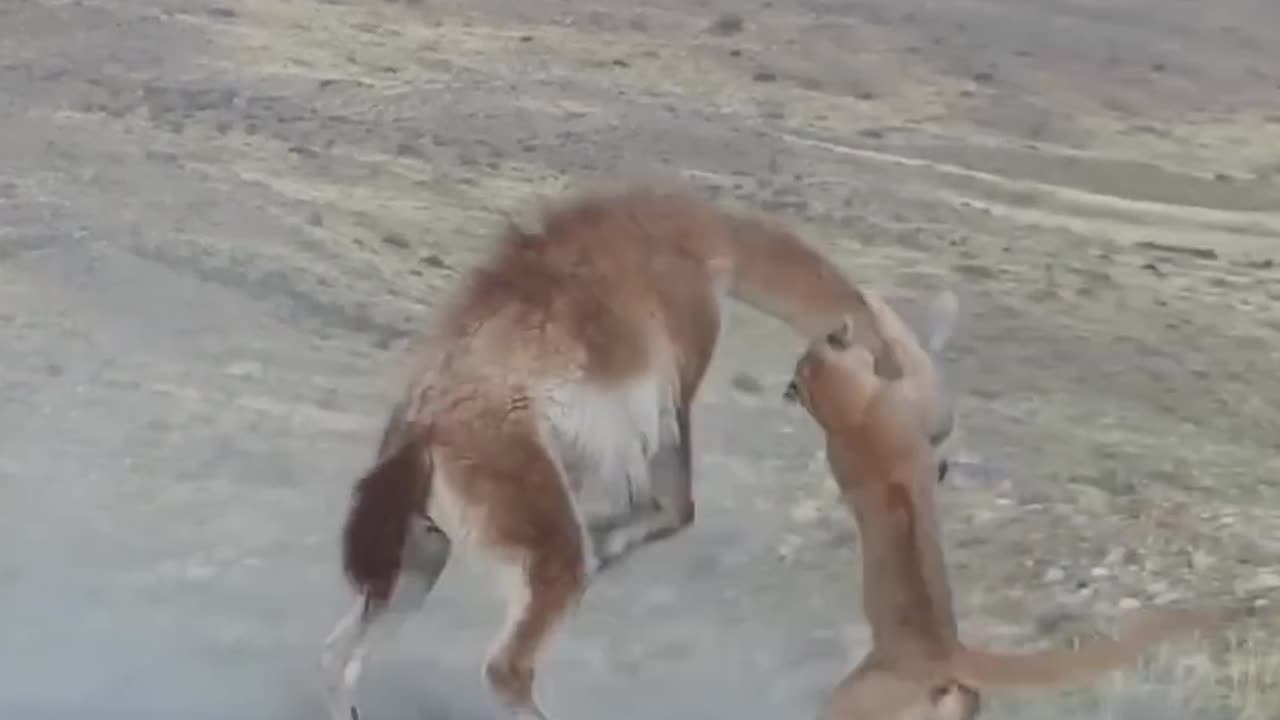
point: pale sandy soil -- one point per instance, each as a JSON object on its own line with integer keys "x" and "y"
{"x": 220, "y": 218}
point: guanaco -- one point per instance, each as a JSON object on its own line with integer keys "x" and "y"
{"x": 884, "y": 465}
{"x": 563, "y": 368}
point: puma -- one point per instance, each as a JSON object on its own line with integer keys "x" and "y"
{"x": 884, "y": 465}
{"x": 563, "y": 371}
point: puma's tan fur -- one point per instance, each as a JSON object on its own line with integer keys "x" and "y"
{"x": 564, "y": 369}
{"x": 885, "y": 467}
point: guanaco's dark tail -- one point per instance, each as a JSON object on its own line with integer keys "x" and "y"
{"x": 382, "y": 505}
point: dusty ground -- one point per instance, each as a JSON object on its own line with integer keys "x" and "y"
{"x": 219, "y": 218}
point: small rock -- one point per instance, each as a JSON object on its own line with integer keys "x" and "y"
{"x": 806, "y": 511}
{"x": 727, "y": 24}
{"x": 315, "y": 219}
{"x": 1129, "y": 603}
{"x": 408, "y": 149}
{"x": 765, "y": 76}
{"x": 1200, "y": 560}
{"x": 1262, "y": 581}
{"x": 743, "y": 382}
{"x": 164, "y": 156}
{"x": 788, "y": 547}
{"x": 396, "y": 239}
{"x": 434, "y": 261}
{"x": 1055, "y": 574}
{"x": 244, "y": 369}
{"x": 1114, "y": 555}
{"x": 1099, "y": 572}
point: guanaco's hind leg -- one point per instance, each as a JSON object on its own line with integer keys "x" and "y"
{"x": 426, "y": 552}
{"x": 539, "y": 596}
{"x": 672, "y": 510}
{"x": 532, "y": 532}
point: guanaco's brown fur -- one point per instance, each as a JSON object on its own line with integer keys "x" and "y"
{"x": 564, "y": 366}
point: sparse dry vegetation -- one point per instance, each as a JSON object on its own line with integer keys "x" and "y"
{"x": 1097, "y": 180}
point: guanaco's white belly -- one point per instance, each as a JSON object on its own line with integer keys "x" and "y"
{"x": 605, "y": 435}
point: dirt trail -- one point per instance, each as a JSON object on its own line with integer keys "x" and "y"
{"x": 220, "y": 218}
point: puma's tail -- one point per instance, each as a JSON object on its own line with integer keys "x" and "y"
{"x": 382, "y": 505}
{"x": 1065, "y": 668}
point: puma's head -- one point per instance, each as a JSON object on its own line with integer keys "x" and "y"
{"x": 835, "y": 378}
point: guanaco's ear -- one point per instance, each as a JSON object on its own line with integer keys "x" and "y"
{"x": 842, "y": 337}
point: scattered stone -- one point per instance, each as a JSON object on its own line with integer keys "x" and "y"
{"x": 1262, "y": 264}
{"x": 746, "y": 383}
{"x": 1129, "y": 603}
{"x": 806, "y": 511}
{"x": 1262, "y": 581}
{"x": 1196, "y": 252}
{"x": 435, "y": 261}
{"x": 765, "y": 76}
{"x": 396, "y": 239}
{"x": 1114, "y": 556}
{"x": 315, "y": 219}
{"x": 244, "y": 369}
{"x": 163, "y": 156}
{"x": 1052, "y": 621}
{"x": 1200, "y": 560}
{"x": 727, "y": 24}
{"x": 408, "y": 149}
{"x": 1055, "y": 575}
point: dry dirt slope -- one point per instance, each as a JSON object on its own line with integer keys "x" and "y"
{"x": 217, "y": 218}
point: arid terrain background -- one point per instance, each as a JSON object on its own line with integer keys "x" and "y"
{"x": 220, "y": 219}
